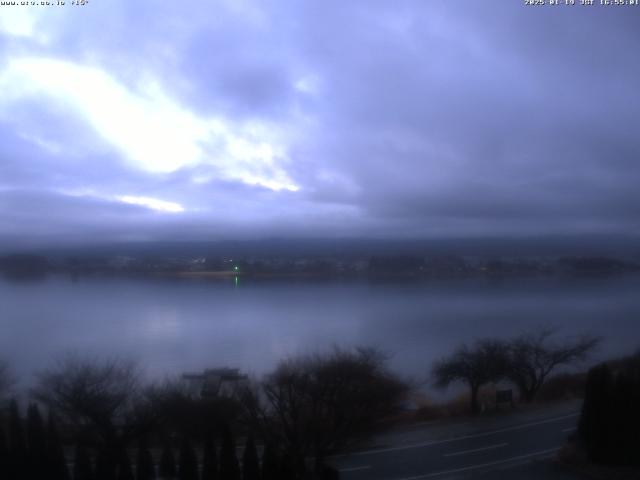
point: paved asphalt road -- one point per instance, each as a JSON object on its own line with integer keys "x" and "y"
{"x": 520, "y": 448}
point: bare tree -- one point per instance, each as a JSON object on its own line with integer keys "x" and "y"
{"x": 533, "y": 356}
{"x": 95, "y": 396}
{"x": 316, "y": 404}
{"x": 483, "y": 362}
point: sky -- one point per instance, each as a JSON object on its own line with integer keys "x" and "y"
{"x": 238, "y": 119}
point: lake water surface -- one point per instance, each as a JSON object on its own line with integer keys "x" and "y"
{"x": 177, "y": 325}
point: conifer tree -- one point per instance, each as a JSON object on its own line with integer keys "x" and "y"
{"x": 250, "y": 462}
{"x": 287, "y": 470}
{"x": 105, "y": 465}
{"x": 144, "y": 464}
{"x": 624, "y": 448}
{"x": 37, "y": 444}
{"x": 56, "y": 460}
{"x": 167, "y": 469}
{"x": 210, "y": 459}
{"x": 125, "y": 472}
{"x": 17, "y": 444}
{"x": 82, "y": 467}
{"x": 188, "y": 462}
{"x": 634, "y": 416}
{"x": 594, "y": 426}
{"x": 4, "y": 455}
{"x": 229, "y": 467}
{"x": 270, "y": 463}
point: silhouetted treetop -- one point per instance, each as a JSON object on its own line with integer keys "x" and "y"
{"x": 533, "y": 356}
{"x": 91, "y": 393}
{"x": 313, "y": 405}
{"x": 483, "y": 362}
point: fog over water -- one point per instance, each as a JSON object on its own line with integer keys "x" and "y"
{"x": 172, "y": 325}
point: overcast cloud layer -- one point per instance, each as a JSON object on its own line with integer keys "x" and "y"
{"x": 147, "y": 120}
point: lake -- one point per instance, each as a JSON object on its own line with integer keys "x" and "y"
{"x": 176, "y": 325}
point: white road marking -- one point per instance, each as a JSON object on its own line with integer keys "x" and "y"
{"x": 455, "y": 439}
{"x": 483, "y": 465}
{"x": 464, "y": 452}
{"x": 355, "y": 469}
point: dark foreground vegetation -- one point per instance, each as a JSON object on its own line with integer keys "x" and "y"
{"x": 606, "y": 444}
{"x": 609, "y": 428}
{"x": 104, "y": 423}
{"x": 98, "y": 419}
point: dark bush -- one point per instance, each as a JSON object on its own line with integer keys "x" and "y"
{"x": 17, "y": 443}
{"x": 562, "y": 387}
{"x": 314, "y": 405}
{"x": 4, "y": 454}
{"x": 125, "y": 472}
{"x": 105, "y": 465}
{"x": 250, "y": 462}
{"x": 270, "y": 463}
{"x": 610, "y": 423}
{"x": 144, "y": 462}
{"x": 209, "y": 459}
{"x": 188, "y": 461}
{"x": 167, "y": 470}
{"x": 57, "y": 462}
{"x": 82, "y": 467}
{"x": 37, "y": 444}
{"x": 181, "y": 412}
{"x": 229, "y": 467}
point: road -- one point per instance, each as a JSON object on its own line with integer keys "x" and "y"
{"x": 519, "y": 446}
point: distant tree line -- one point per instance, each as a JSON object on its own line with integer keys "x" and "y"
{"x": 526, "y": 361}
{"x": 24, "y": 266}
{"x": 609, "y": 425}
{"x": 409, "y": 265}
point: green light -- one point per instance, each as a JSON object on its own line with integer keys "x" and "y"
{"x": 235, "y": 268}
{"x": 235, "y": 280}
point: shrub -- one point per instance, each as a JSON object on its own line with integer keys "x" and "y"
{"x": 250, "y": 463}
{"x": 167, "y": 468}
{"x": 229, "y": 467}
{"x": 210, "y": 459}
{"x": 188, "y": 469}
{"x": 610, "y": 422}
{"x": 82, "y": 467}
{"x": 144, "y": 462}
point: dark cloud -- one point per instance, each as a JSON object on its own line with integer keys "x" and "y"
{"x": 403, "y": 119}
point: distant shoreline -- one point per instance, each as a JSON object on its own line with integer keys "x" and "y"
{"x": 379, "y": 275}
